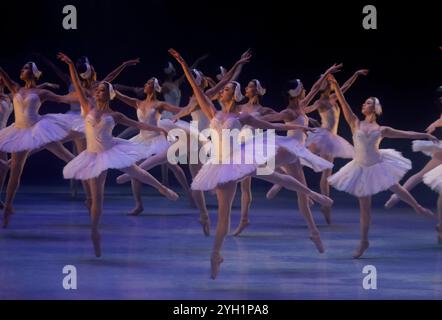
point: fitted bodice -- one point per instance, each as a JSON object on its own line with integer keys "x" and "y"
{"x": 150, "y": 117}
{"x": 330, "y": 118}
{"x": 224, "y": 121}
{"x": 26, "y": 109}
{"x": 366, "y": 146}
{"x": 300, "y": 135}
{"x": 5, "y": 111}
{"x": 199, "y": 116}
{"x": 99, "y": 136}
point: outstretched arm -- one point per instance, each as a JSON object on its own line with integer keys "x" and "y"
{"x": 164, "y": 106}
{"x": 277, "y": 117}
{"x": 388, "y": 132}
{"x": 84, "y": 103}
{"x": 138, "y": 91}
{"x": 114, "y": 74}
{"x": 132, "y": 102}
{"x": 352, "y": 80}
{"x": 231, "y": 75}
{"x": 436, "y": 124}
{"x": 312, "y": 108}
{"x": 46, "y": 95}
{"x": 261, "y": 124}
{"x": 48, "y": 85}
{"x": 349, "y": 116}
{"x": 204, "y": 102}
{"x": 10, "y": 84}
{"x": 315, "y": 88}
{"x": 125, "y": 121}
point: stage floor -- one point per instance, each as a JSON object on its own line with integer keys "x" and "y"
{"x": 164, "y": 255}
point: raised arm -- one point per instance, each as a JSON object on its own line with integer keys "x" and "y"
{"x": 349, "y": 116}
{"x": 261, "y": 124}
{"x": 204, "y": 102}
{"x": 114, "y": 74}
{"x": 352, "y": 80}
{"x": 132, "y": 102}
{"x": 64, "y": 77}
{"x": 231, "y": 75}
{"x": 10, "y": 84}
{"x": 84, "y": 103}
{"x": 312, "y": 108}
{"x": 389, "y": 132}
{"x": 315, "y": 88}
{"x": 180, "y": 80}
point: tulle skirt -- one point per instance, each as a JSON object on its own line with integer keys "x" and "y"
{"x": 88, "y": 165}
{"x": 433, "y": 179}
{"x": 362, "y": 181}
{"x": 49, "y": 128}
{"x": 427, "y": 147}
{"x": 329, "y": 143}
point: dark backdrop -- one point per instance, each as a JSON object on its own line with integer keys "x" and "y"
{"x": 290, "y": 39}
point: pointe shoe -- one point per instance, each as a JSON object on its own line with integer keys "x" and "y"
{"x": 96, "y": 241}
{"x": 321, "y": 199}
{"x": 7, "y": 213}
{"x": 364, "y": 245}
{"x": 244, "y": 223}
{"x": 271, "y": 194}
{"x": 316, "y": 239}
{"x": 205, "y": 223}
{"x": 136, "y": 211}
{"x": 215, "y": 265}
{"x": 326, "y": 211}
{"x": 391, "y": 202}
{"x": 169, "y": 194}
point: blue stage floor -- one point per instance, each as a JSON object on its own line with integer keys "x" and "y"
{"x": 163, "y": 254}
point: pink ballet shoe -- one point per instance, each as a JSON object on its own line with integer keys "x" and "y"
{"x": 364, "y": 245}
{"x": 215, "y": 265}
{"x": 169, "y": 194}
{"x": 326, "y": 211}
{"x": 321, "y": 199}
{"x": 394, "y": 199}
{"x": 205, "y": 223}
{"x": 316, "y": 239}
{"x": 243, "y": 224}
{"x": 136, "y": 211}
{"x": 96, "y": 241}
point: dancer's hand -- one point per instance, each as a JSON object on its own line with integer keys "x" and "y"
{"x": 245, "y": 57}
{"x": 362, "y": 72}
{"x": 176, "y": 55}
{"x": 430, "y": 129}
{"x": 132, "y": 62}
{"x": 432, "y": 138}
{"x": 61, "y": 56}
{"x": 334, "y": 68}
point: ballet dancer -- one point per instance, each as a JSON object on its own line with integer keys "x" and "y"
{"x": 224, "y": 177}
{"x": 326, "y": 142}
{"x": 433, "y": 150}
{"x": 6, "y": 109}
{"x": 103, "y": 150}
{"x": 31, "y": 131}
{"x": 373, "y": 170}
{"x": 149, "y": 111}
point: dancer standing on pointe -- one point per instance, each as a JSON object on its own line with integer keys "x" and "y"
{"x": 31, "y": 131}
{"x": 104, "y": 151}
{"x": 224, "y": 176}
{"x": 326, "y": 142}
{"x": 149, "y": 111}
{"x": 373, "y": 170}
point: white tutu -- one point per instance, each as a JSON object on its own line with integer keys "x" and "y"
{"x": 88, "y": 165}
{"x": 48, "y": 128}
{"x": 250, "y": 156}
{"x": 329, "y": 143}
{"x": 433, "y": 179}
{"x": 362, "y": 181}
{"x": 154, "y": 145}
{"x": 427, "y": 147}
{"x": 306, "y": 157}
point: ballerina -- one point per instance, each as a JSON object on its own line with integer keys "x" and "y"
{"x": 149, "y": 111}
{"x": 224, "y": 177}
{"x": 433, "y": 150}
{"x": 104, "y": 151}
{"x": 326, "y": 142}
{"x": 31, "y": 131}
{"x": 373, "y": 170}
{"x": 202, "y": 122}
{"x": 6, "y": 109}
